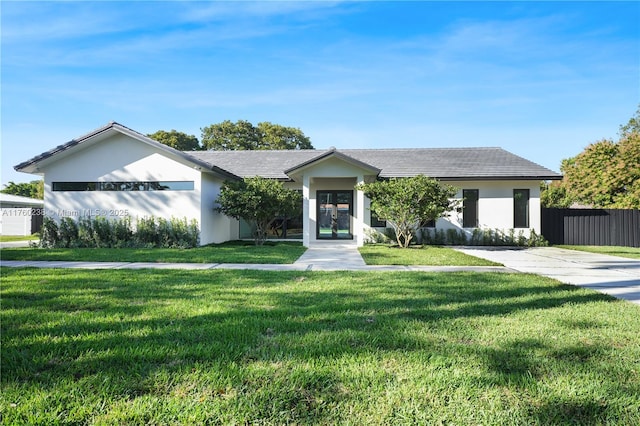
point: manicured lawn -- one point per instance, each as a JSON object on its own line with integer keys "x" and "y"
{"x": 233, "y": 252}
{"x": 383, "y": 254}
{"x": 249, "y": 347}
{"x": 10, "y": 238}
{"x": 630, "y": 252}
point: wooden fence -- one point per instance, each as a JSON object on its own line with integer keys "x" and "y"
{"x": 593, "y": 227}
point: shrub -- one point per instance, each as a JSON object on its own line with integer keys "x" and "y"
{"x": 103, "y": 232}
{"x": 68, "y": 231}
{"x": 122, "y": 232}
{"x": 374, "y": 236}
{"x": 479, "y": 237}
{"x": 49, "y": 236}
{"x": 146, "y": 232}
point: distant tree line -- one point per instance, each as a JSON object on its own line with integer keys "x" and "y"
{"x": 33, "y": 189}
{"x": 241, "y": 135}
{"x": 605, "y": 175}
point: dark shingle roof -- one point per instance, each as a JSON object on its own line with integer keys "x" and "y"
{"x": 442, "y": 163}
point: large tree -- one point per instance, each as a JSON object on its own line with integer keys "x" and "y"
{"x": 33, "y": 189}
{"x": 408, "y": 203}
{"x": 259, "y": 201}
{"x": 242, "y": 135}
{"x": 605, "y": 175}
{"x": 178, "y": 140}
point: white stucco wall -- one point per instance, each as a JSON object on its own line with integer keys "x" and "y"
{"x": 216, "y": 228}
{"x": 495, "y": 206}
{"x": 120, "y": 158}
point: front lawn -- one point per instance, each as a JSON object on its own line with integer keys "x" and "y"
{"x": 630, "y": 252}
{"x": 12, "y": 238}
{"x": 254, "y": 347}
{"x": 384, "y": 254}
{"x": 232, "y": 252}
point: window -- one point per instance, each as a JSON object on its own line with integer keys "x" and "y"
{"x": 470, "y": 208}
{"x": 429, "y": 224}
{"x": 74, "y": 186}
{"x": 124, "y": 186}
{"x": 376, "y": 222}
{"x": 520, "y": 208}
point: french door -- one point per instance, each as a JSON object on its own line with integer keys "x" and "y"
{"x": 334, "y": 215}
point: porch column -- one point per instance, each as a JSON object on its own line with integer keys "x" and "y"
{"x": 306, "y": 220}
{"x": 358, "y": 222}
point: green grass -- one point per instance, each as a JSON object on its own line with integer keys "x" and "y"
{"x": 383, "y": 254}
{"x": 11, "y": 238}
{"x": 232, "y": 252}
{"x": 250, "y": 347}
{"x": 630, "y": 252}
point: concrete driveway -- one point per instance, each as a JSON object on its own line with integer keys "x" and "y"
{"x": 613, "y": 275}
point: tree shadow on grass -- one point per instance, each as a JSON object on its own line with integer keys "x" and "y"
{"x": 262, "y": 332}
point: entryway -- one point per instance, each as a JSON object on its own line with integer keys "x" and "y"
{"x": 334, "y": 215}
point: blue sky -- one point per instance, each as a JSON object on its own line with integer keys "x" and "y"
{"x": 540, "y": 79}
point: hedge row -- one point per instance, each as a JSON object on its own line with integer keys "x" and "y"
{"x": 101, "y": 232}
{"x": 458, "y": 237}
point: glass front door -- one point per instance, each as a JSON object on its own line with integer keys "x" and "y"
{"x": 334, "y": 214}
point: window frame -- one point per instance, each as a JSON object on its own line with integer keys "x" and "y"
{"x": 466, "y": 208}
{"x": 518, "y": 223}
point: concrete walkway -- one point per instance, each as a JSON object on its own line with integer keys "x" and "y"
{"x": 613, "y": 275}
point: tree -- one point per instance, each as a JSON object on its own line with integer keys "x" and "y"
{"x": 178, "y": 140}
{"x": 408, "y": 203}
{"x": 33, "y": 189}
{"x": 259, "y": 201}
{"x": 554, "y": 195}
{"x": 275, "y": 136}
{"x": 606, "y": 174}
{"x": 242, "y": 135}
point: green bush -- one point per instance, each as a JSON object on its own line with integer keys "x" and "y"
{"x": 68, "y": 232}
{"x": 146, "y": 234}
{"x": 480, "y": 237}
{"x": 49, "y": 233}
{"x": 101, "y": 232}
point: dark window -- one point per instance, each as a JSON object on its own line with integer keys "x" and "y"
{"x": 520, "y": 208}
{"x": 376, "y": 222}
{"x": 470, "y": 208}
{"x": 124, "y": 186}
{"x": 74, "y": 186}
{"x": 429, "y": 224}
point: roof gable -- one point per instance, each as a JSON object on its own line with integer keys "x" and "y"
{"x": 34, "y": 164}
{"x": 332, "y": 153}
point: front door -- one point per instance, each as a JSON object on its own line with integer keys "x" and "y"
{"x": 334, "y": 215}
